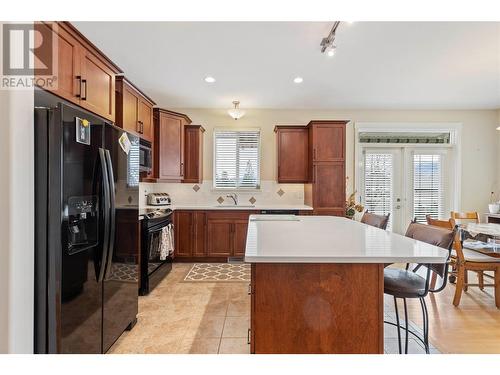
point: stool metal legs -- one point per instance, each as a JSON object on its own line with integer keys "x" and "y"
{"x": 425, "y": 329}
{"x": 406, "y": 326}
{"x": 426, "y": 324}
{"x": 397, "y": 322}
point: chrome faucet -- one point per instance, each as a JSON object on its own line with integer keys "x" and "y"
{"x": 234, "y": 197}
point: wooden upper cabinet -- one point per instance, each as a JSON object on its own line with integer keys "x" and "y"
{"x": 329, "y": 185}
{"x": 84, "y": 76}
{"x": 145, "y": 115}
{"x": 97, "y": 86}
{"x": 293, "y": 156}
{"x": 134, "y": 110}
{"x": 169, "y": 144}
{"x": 68, "y": 61}
{"x": 326, "y": 190}
{"x": 193, "y": 153}
{"x": 327, "y": 140}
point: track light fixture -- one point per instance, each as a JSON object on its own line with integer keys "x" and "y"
{"x": 328, "y": 43}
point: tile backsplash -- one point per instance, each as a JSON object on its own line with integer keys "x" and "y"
{"x": 270, "y": 192}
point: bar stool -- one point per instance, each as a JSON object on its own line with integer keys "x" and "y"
{"x": 378, "y": 221}
{"x": 406, "y": 283}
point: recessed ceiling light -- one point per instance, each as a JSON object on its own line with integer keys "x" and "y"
{"x": 209, "y": 79}
{"x": 298, "y": 80}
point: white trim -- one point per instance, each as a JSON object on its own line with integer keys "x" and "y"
{"x": 454, "y": 128}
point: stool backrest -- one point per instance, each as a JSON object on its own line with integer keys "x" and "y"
{"x": 378, "y": 221}
{"x": 449, "y": 224}
{"x": 437, "y": 236}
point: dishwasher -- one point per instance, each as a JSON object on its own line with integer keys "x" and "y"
{"x": 279, "y": 212}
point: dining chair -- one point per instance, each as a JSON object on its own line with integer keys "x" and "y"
{"x": 450, "y": 225}
{"x": 463, "y": 218}
{"x": 470, "y": 260}
{"x": 378, "y": 221}
{"x": 406, "y": 283}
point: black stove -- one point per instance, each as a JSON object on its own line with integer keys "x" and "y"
{"x": 153, "y": 267}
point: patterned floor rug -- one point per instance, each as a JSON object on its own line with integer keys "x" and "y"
{"x": 218, "y": 272}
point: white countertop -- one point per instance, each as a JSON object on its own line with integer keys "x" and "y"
{"x": 329, "y": 239}
{"x": 206, "y": 206}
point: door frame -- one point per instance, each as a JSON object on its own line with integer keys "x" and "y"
{"x": 454, "y": 128}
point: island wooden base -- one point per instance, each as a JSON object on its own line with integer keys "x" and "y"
{"x": 317, "y": 308}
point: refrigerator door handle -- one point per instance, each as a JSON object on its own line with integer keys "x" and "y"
{"x": 105, "y": 187}
{"x": 112, "y": 210}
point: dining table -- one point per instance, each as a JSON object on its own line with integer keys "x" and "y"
{"x": 483, "y": 238}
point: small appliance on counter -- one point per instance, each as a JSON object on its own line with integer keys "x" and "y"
{"x": 159, "y": 199}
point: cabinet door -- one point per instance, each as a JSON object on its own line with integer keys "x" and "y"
{"x": 219, "y": 237}
{"x": 98, "y": 86}
{"x": 130, "y": 111}
{"x": 183, "y": 233}
{"x": 170, "y": 148}
{"x": 292, "y": 155}
{"x": 240, "y": 237}
{"x": 329, "y": 185}
{"x": 328, "y": 142}
{"x": 200, "y": 231}
{"x": 193, "y": 158}
{"x": 68, "y": 61}
{"x": 146, "y": 120}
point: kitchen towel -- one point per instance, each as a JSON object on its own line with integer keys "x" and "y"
{"x": 167, "y": 242}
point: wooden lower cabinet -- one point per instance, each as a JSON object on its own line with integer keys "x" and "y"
{"x": 210, "y": 234}
{"x": 183, "y": 222}
{"x": 239, "y": 237}
{"x": 220, "y": 233}
{"x": 332, "y": 308}
{"x": 227, "y": 233}
{"x": 190, "y": 234}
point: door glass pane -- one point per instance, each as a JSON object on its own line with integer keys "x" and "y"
{"x": 379, "y": 176}
{"x": 427, "y": 187}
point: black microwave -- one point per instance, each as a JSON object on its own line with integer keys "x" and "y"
{"x": 145, "y": 156}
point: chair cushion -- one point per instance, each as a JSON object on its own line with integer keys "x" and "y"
{"x": 403, "y": 284}
{"x": 475, "y": 256}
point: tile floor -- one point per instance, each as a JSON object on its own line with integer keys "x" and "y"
{"x": 192, "y": 317}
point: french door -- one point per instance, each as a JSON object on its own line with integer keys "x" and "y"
{"x": 407, "y": 183}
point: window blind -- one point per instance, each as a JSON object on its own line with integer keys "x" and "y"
{"x": 237, "y": 163}
{"x": 133, "y": 160}
{"x": 428, "y": 197}
{"x": 378, "y": 184}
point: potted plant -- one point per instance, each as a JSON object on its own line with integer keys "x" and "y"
{"x": 351, "y": 207}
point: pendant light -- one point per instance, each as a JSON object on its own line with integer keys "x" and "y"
{"x": 236, "y": 112}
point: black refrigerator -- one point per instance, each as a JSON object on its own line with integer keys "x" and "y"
{"x": 87, "y": 230}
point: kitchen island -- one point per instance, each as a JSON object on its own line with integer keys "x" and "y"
{"x": 318, "y": 282}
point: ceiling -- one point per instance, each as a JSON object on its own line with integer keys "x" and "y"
{"x": 377, "y": 65}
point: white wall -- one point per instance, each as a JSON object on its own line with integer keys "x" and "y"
{"x": 16, "y": 221}
{"x": 479, "y": 140}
